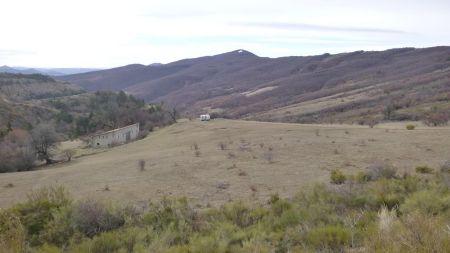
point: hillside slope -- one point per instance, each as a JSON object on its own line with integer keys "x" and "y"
{"x": 258, "y": 158}
{"x": 20, "y": 87}
{"x": 17, "y": 92}
{"x": 347, "y": 87}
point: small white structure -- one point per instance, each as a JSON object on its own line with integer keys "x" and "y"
{"x": 205, "y": 117}
{"x": 116, "y": 136}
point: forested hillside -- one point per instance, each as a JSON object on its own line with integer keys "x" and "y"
{"x": 37, "y": 112}
{"x": 357, "y": 87}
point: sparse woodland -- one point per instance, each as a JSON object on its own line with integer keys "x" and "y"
{"x": 31, "y": 128}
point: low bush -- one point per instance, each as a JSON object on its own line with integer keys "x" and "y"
{"x": 427, "y": 201}
{"x": 337, "y": 177}
{"x": 329, "y": 238}
{"x": 37, "y": 212}
{"x": 410, "y": 127}
{"x": 362, "y": 177}
{"x": 12, "y": 233}
{"x": 381, "y": 170}
{"x": 416, "y": 232}
{"x": 92, "y": 217}
{"x": 424, "y": 169}
{"x": 391, "y": 214}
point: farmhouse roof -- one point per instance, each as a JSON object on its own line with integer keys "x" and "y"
{"x": 114, "y": 130}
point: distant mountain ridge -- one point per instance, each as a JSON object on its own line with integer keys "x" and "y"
{"x": 22, "y": 87}
{"x": 45, "y": 71}
{"x": 346, "y": 87}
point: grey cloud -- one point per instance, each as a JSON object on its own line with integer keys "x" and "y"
{"x": 310, "y": 27}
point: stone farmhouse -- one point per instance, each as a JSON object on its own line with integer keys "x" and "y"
{"x": 115, "y": 137}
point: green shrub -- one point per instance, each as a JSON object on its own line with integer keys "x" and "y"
{"x": 238, "y": 213}
{"x": 392, "y": 192}
{"x": 38, "y": 211}
{"x": 362, "y": 177}
{"x": 46, "y": 248}
{"x": 416, "y": 232}
{"x": 424, "y": 169}
{"x": 117, "y": 241}
{"x": 106, "y": 243}
{"x": 337, "y": 177}
{"x": 207, "y": 244}
{"x": 413, "y": 217}
{"x": 59, "y": 229}
{"x": 257, "y": 245}
{"x": 169, "y": 213}
{"x": 12, "y": 233}
{"x": 279, "y": 206}
{"x": 325, "y": 238}
{"x": 427, "y": 201}
{"x": 288, "y": 218}
{"x": 410, "y": 127}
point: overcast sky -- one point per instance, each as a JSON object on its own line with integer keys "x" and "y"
{"x": 92, "y": 33}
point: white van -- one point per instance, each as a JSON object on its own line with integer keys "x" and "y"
{"x": 205, "y": 117}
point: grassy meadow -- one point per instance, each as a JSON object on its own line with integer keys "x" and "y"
{"x": 213, "y": 162}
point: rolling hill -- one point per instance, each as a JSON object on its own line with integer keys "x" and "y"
{"x": 355, "y": 87}
{"x": 271, "y": 157}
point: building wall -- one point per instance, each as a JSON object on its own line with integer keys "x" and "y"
{"x": 116, "y": 136}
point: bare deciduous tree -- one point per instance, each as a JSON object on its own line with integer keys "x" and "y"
{"x": 16, "y": 152}
{"x": 44, "y": 138}
{"x": 173, "y": 114}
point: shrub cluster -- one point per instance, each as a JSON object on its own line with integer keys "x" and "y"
{"x": 337, "y": 177}
{"x": 390, "y": 214}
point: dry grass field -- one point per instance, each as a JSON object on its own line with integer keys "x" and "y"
{"x": 212, "y": 162}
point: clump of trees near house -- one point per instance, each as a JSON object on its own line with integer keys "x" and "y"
{"x": 22, "y": 145}
{"x": 402, "y": 213}
{"x": 104, "y": 111}
{"x": 19, "y": 149}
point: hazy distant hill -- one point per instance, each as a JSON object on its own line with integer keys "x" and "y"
{"x": 347, "y": 87}
{"x": 45, "y": 71}
{"x": 21, "y": 87}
